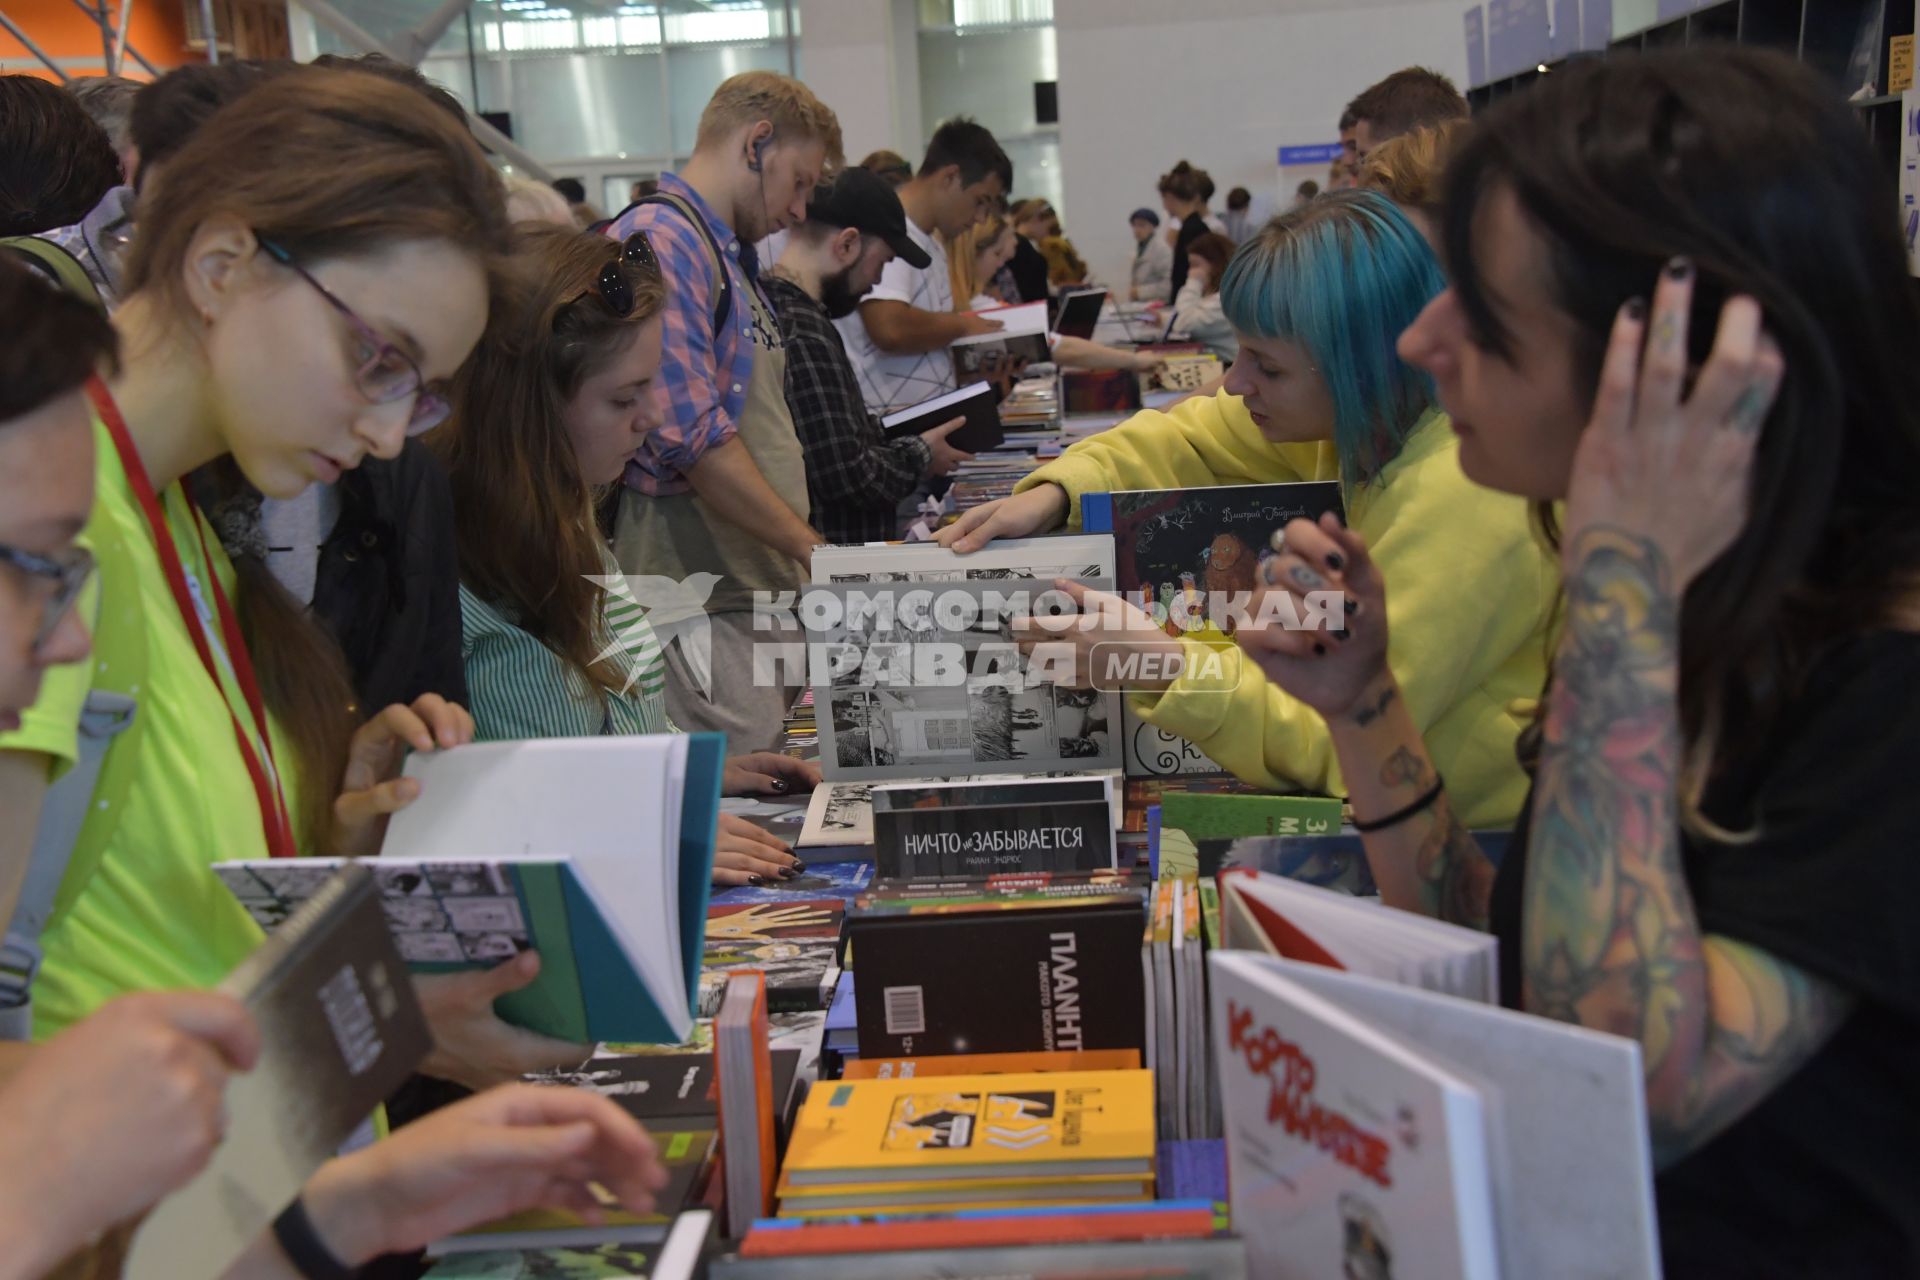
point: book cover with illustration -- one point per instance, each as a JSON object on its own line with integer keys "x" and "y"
{"x": 1472, "y": 1140}
{"x": 1348, "y": 1154}
{"x": 1035, "y": 979}
{"x": 1059, "y": 1125}
{"x": 1187, "y": 549}
{"x": 842, "y": 880}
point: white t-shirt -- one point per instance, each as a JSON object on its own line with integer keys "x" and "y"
{"x": 892, "y": 382}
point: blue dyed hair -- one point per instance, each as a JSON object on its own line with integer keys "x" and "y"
{"x": 1343, "y": 276}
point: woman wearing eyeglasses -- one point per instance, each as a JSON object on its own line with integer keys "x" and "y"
{"x": 547, "y": 415}
{"x": 313, "y": 270}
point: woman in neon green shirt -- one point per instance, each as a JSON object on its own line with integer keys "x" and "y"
{"x": 126, "y": 1105}
{"x": 1319, "y": 394}
{"x": 307, "y": 277}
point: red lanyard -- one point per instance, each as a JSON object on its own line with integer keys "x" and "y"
{"x": 265, "y": 774}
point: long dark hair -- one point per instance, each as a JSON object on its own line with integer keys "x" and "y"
{"x": 1749, "y": 164}
{"x": 328, "y": 164}
{"x": 523, "y": 512}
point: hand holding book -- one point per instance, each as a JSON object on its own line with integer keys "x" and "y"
{"x": 113, "y": 1113}
{"x": 1103, "y": 646}
{"x": 1329, "y": 662}
{"x": 371, "y": 789}
{"x": 472, "y": 1045}
{"x": 507, "y": 1150}
{"x": 1040, "y": 509}
{"x": 945, "y": 456}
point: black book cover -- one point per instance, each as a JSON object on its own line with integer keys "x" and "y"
{"x": 975, "y": 402}
{"x": 992, "y": 828}
{"x": 340, "y": 1030}
{"x": 1000, "y": 981}
{"x": 1170, "y": 541}
{"x": 993, "y": 356}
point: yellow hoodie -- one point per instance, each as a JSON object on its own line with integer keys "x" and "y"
{"x": 1470, "y": 597}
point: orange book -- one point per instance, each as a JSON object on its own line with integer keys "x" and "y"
{"x": 1152, "y": 1221}
{"x": 991, "y": 1064}
{"x": 743, "y": 1070}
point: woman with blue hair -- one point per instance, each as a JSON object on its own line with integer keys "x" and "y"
{"x": 1316, "y": 300}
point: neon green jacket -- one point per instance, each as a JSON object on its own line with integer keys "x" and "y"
{"x": 1471, "y": 592}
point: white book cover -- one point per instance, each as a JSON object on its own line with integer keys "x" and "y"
{"x": 1348, "y": 1153}
{"x": 611, "y": 805}
{"x": 1072, "y": 555}
{"x": 1322, "y": 926}
{"x": 1015, "y": 321}
{"x": 1577, "y": 1195}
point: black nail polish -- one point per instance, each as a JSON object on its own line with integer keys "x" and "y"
{"x": 1680, "y": 268}
{"x": 1636, "y": 309}
{"x": 799, "y": 866}
{"x": 1319, "y": 648}
{"x": 1351, "y": 605}
{"x": 788, "y": 873}
{"x": 757, "y": 881}
{"x": 1336, "y": 561}
{"x": 780, "y": 785}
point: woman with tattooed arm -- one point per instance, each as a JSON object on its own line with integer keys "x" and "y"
{"x": 1680, "y": 308}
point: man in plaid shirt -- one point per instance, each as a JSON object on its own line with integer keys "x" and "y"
{"x": 856, "y": 476}
{"x": 716, "y": 496}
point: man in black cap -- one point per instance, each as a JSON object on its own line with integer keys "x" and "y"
{"x": 856, "y": 477}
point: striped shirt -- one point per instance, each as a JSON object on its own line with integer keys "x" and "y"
{"x": 519, "y": 688}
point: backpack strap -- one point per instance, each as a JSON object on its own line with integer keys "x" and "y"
{"x": 104, "y": 717}
{"x": 59, "y": 266}
{"x": 723, "y": 283}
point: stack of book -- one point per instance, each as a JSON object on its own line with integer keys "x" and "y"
{"x": 1162, "y": 1240}
{"x": 952, "y": 1143}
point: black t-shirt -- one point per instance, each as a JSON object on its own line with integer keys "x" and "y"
{"x": 1822, "y": 1178}
{"x": 1029, "y": 268}
{"x": 1190, "y": 230}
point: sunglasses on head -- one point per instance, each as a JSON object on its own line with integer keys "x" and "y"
{"x": 613, "y": 286}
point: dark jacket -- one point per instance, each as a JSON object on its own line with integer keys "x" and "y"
{"x": 388, "y": 582}
{"x": 1029, "y": 267}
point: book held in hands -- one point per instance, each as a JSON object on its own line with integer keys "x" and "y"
{"x": 340, "y": 1030}
{"x": 974, "y": 402}
{"x": 595, "y": 852}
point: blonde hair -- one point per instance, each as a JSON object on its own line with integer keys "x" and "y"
{"x": 1407, "y": 169}
{"x": 963, "y": 257}
{"x": 791, "y": 107}
{"x": 1064, "y": 264}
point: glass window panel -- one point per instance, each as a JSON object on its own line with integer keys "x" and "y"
{"x": 694, "y": 73}
{"x": 986, "y": 75}
{"x": 579, "y": 105}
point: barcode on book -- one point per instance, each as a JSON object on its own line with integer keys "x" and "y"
{"x": 906, "y": 1011}
{"x": 351, "y": 1017}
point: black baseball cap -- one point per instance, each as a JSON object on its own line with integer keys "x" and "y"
{"x": 861, "y": 199}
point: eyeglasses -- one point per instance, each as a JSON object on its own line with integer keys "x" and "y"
{"x": 612, "y": 286}
{"x": 385, "y": 372}
{"x": 68, "y": 571}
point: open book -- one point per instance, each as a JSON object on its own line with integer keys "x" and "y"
{"x": 1374, "y": 1129}
{"x": 1282, "y": 917}
{"x": 595, "y": 852}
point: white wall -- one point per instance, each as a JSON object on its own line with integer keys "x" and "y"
{"x": 1223, "y": 83}
{"x": 861, "y": 58}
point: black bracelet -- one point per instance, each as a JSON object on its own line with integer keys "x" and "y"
{"x": 1401, "y": 815}
{"x": 305, "y": 1249}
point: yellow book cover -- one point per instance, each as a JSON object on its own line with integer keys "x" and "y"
{"x": 991, "y": 1064}
{"x": 796, "y": 1209}
{"x": 1040, "y": 1125}
{"x": 1099, "y": 1185}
